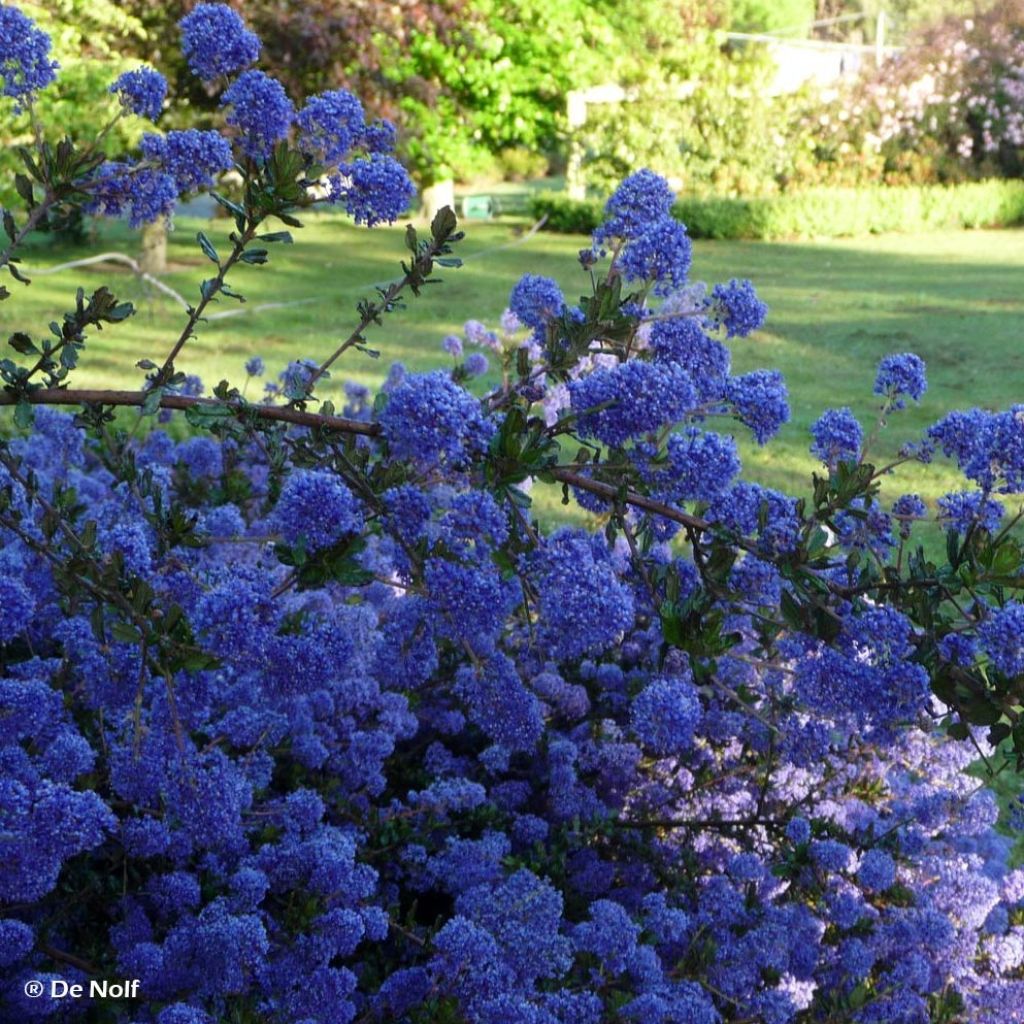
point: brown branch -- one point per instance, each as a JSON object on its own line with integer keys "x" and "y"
{"x": 68, "y": 396}
{"x": 67, "y": 958}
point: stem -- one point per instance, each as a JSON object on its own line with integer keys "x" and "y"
{"x": 195, "y": 314}
{"x": 34, "y": 217}
{"x": 375, "y": 309}
{"x": 67, "y": 396}
{"x": 67, "y": 958}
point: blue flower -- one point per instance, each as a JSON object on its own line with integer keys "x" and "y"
{"x": 191, "y": 157}
{"x": 430, "y": 419}
{"x": 631, "y": 399}
{"x": 736, "y": 307}
{"x": 330, "y": 124}
{"x": 260, "y": 110}
{"x": 500, "y": 704}
{"x": 665, "y": 714}
{"x": 584, "y": 608}
{"x": 905, "y": 509}
{"x": 17, "y": 605}
{"x": 682, "y": 340}
{"x": 216, "y": 42}
{"x": 255, "y": 367}
{"x": 899, "y": 375}
{"x": 611, "y": 935}
{"x": 535, "y": 300}
{"x": 476, "y": 364}
{"x": 703, "y": 464}
{"x": 16, "y": 941}
{"x": 145, "y": 195}
{"x": 641, "y": 199}
{"x": 877, "y": 870}
{"x": 316, "y": 507}
{"x": 1002, "y": 637}
{"x": 25, "y": 64}
{"x": 831, "y": 855}
{"x": 141, "y": 92}
{"x": 373, "y": 190}
{"x": 837, "y": 437}
{"x": 965, "y": 510}
{"x": 659, "y": 253}
{"x": 379, "y": 136}
{"x": 760, "y": 400}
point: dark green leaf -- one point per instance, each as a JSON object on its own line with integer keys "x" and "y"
{"x": 207, "y": 246}
{"x": 23, "y": 415}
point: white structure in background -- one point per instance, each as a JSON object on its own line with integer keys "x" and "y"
{"x": 797, "y": 61}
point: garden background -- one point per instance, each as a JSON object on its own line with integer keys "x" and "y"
{"x": 833, "y": 152}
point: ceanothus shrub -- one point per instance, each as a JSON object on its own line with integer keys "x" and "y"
{"x": 306, "y": 717}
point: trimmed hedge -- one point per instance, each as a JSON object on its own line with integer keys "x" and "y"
{"x": 819, "y": 213}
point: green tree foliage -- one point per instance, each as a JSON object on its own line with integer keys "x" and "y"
{"x": 464, "y": 79}
{"x": 88, "y": 38}
{"x": 785, "y": 17}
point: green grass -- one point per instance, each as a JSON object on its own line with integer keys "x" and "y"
{"x": 836, "y": 307}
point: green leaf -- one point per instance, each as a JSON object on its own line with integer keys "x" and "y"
{"x": 9, "y": 225}
{"x": 151, "y": 404}
{"x": 23, "y": 417}
{"x": 22, "y": 343}
{"x": 207, "y": 246}
{"x": 126, "y": 633}
{"x": 256, "y": 257}
{"x": 24, "y": 189}
{"x": 209, "y": 288}
{"x": 228, "y": 204}
{"x": 277, "y": 236}
{"x": 443, "y": 224}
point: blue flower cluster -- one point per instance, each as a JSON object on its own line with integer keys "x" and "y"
{"x": 535, "y": 300}
{"x": 142, "y": 92}
{"x": 216, "y": 42}
{"x": 316, "y": 508}
{"x": 373, "y": 189}
{"x": 430, "y": 419}
{"x": 357, "y": 738}
{"x": 901, "y": 376}
{"x": 192, "y": 158}
{"x": 348, "y": 161}
{"x": 25, "y": 62}
{"x": 631, "y": 399}
{"x": 737, "y": 308}
{"x": 837, "y": 437}
{"x": 260, "y": 110}
{"x": 330, "y": 124}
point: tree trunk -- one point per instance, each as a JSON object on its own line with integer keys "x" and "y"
{"x": 154, "y": 247}
{"x": 437, "y": 196}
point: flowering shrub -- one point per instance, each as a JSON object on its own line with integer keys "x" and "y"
{"x": 305, "y": 718}
{"x": 947, "y": 108}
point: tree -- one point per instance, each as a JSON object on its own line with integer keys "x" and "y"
{"x": 785, "y": 17}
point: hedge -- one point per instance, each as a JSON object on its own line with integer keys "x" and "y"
{"x": 819, "y": 213}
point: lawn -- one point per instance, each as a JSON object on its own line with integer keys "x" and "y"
{"x": 837, "y": 306}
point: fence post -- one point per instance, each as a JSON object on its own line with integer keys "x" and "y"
{"x": 576, "y": 115}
